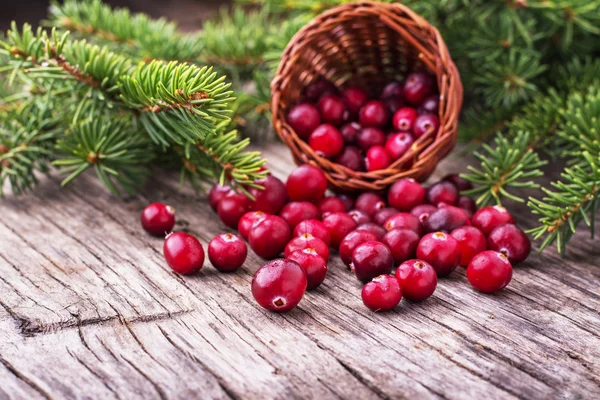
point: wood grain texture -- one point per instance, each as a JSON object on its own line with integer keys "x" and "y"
{"x": 88, "y": 309}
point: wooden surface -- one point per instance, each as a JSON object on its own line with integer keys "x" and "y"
{"x": 89, "y": 309}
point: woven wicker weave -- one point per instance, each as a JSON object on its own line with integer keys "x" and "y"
{"x": 368, "y": 44}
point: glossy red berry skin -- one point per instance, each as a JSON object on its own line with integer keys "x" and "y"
{"x": 315, "y": 90}
{"x": 315, "y": 228}
{"x": 383, "y": 215}
{"x": 248, "y": 221}
{"x": 352, "y": 241}
{"x": 307, "y": 241}
{"x": 417, "y": 279}
{"x": 511, "y": 241}
{"x": 313, "y": 264}
{"x": 471, "y": 242}
{"x": 158, "y": 219}
{"x": 440, "y": 250}
{"x": 446, "y": 219}
{"x": 369, "y": 137}
{"x": 350, "y": 132}
{"x": 403, "y": 244}
{"x": 488, "y": 218}
{"x": 430, "y": 105}
{"x": 360, "y": 217}
{"x": 297, "y": 211}
{"x": 272, "y": 198}
{"x": 423, "y": 211}
{"x": 306, "y": 183}
{"x": 326, "y": 141}
{"x": 375, "y": 229}
{"x": 351, "y": 157}
{"x": 406, "y": 194}
{"x": 399, "y": 144}
{"x": 279, "y": 285}
{"x": 468, "y": 205}
{"x": 403, "y": 220}
{"x": 392, "y": 89}
{"x": 377, "y": 159}
{"x": 269, "y": 237}
{"x": 442, "y": 192}
{"x": 183, "y": 253}
{"x": 383, "y": 293}
{"x": 339, "y": 225}
{"x": 332, "y": 109}
{"x": 426, "y": 124}
{"x": 456, "y": 180}
{"x": 417, "y": 87}
{"x": 369, "y": 203}
{"x": 404, "y": 119}
{"x": 371, "y": 259}
{"x": 354, "y": 98}
{"x": 304, "y": 118}
{"x": 217, "y": 192}
{"x": 231, "y": 208}
{"x": 489, "y": 271}
{"x": 348, "y": 201}
{"x": 375, "y": 113}
{"x": 227, "y": 252}
{"x": 331, "y": 204}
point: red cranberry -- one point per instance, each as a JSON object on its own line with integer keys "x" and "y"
{"x": 158, "y": 219}
{"x": 467, "y": 204}
{"x": 352, "y": 158}
{"x": 471, "y": 242}
{"x": 272, "y": 198}
{"x": 404, "y": 119}
{"x": 417, "y": 279}
{"x": 377, "y": 159}
{"x": 430, "y": 105}
{"x": 326, "y": 141}
{"x": 423, "y": 211}
{"x": 383, "y": 293}
{"x": 369, "y": 203}
{"x": 490, "y": 217}
{"x": 403, "y": 220}
{"x": 375, "y": 113}
{"x": 348, "y": 201}
{"x": 371, "y": 259}
{"x": 313, "y": 264}
{"x": 399, "y": 144}
{"x": 269, "y": 237}
{"x": 248, "y": 221}
{"x": 315, "y": 228}
{"x": 403, "y": 244}
{"x": 440, "y": 250}
{"x": 360, "y": 217}
{"x": 227, "y": 252}
{"x": 489, "y": 271}
{"x": 304, "y": 118}
{"x": 442, "y": 192}
{"x": 183, "y": 253}
{"x": 509, "y": 240}
{"x": 352, "y": 241}
{"x": 425, "y": 123}
{"x": 339, "y": 225}
{"x": 330, "y": 205}
{"x": 405, "y": 194}
{"x": 297, "y": 211}
{"x": 395, "y": 103}
{"x": 384, "y": 214}
{"x": 417, "y": 87}
{"x": 279, "y": 285}
{"x": 217, "y": 192}
{"x": 314, "y": 91}
{"x": 232, "y": 207}
{"x": 369, "y": 137}
{"x": 307, "y": 241}
{"x": 392, "y": 89}
{"x": 460, "y": 183}
{"x": 306, "y": 183}
{"x": 332, "y": 109}
{"x": 446, "y": 219}
{"x": 350, "y": 132}
{"x": 375, "y": 229}
{"x": 354, "y": 98}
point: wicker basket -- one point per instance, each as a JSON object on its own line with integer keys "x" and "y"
{"x": 368, "y": 44}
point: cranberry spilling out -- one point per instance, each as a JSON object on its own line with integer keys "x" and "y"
{"x": 232, "y": 207}
{"x": 406, "y": 194}
{"x": 460, "y": 183}
{"x": 217, "y": 192}
{"x": 183, "y": 253}
{"x": 369, "y": 203}
{"x": 248, "y": 221}
{"x": 158, "y": 219}
{"x": 489, "y": 271}
{"x": 371, "y": 259}
{"x": 471, "y": 242}
{"x": 440, "y": 250}
{"x": 279, "y": 285}
{"x": 417, "y": 279}
{"x": 269, "y": 237}
{"x": 313, "y": 264}
{"x": 307, "y": 241}
{"x": 306, "y": 183}
{"x": 446, "y": 219}
{"x": 443, "y": 192}
{"x": 511, "y": 241}
{"x": 297, "y": 211}
{"x": 490, "y": 217}
{"x": 360, "y": 217}
{"x": 403, "y": 220}
{"x": 272, "y": 198}
{"x": 227, "y": 252}
{"x": 304, "y": 118}
{"x": 384, "y": 214}
{"x": 315, "y": 228}
{"x": 383, "y": 293}
{"x": 403, "y": 244}
{"x": 331, "y": 204}
{"x": 339, "y": 225}
{"x": 375, "y": 229}
{"x": 467, "y": 204}
{"x": 423, "y": 211}
{"x": 352, "y": 241}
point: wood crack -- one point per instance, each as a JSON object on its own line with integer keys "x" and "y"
{"x": 22, "y": 377}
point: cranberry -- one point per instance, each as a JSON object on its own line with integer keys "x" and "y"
{"x": 158, "y": 219}
{"x": 471, "y": 242}
{"x": 306, "y": 183}
{"x": 384, "y": 214}
{"x": 442, "y": 192}
{"x": 467, "y": 204}
{"x": 227, "y": 252}
{"x": 417, "y": 279}
{"x": 440, "y": 250}
{"x": 509, "y": 240}
{"x": 272, "y": 198}
{"x": 269, "y": 237}
{"x": 332, "y": 109}
{"x": 313, "y": 264}
{"x": 404, "y": 119}
{"x": 417, "y": 87}
{"x": 314, "y": 91}
{"x": 369, "y": 203}
{"x": 248, "y": 221}
{"x": 315, "y": 228}
{"x": 398, "y": 144}
{"x": 339, "y": 225}
{"x": 232, "y": 207}
{"x": 395, "y": 103}
{"x": 326, "y": 141}
{"x": 371, "y": 259}
{"x": 352, "y": 241}
{"x": 350, "y": 132}
{"x": 375, "y": 113}
{"x": 377, "y": 159}
{"x": 490, "y": 217}
{"x": 279, "y": 285}
{"x": 348, "y": 201}
{"x": 330, "y": 205}
{"x": 392, "y": 89}
{"x": 183, "y": 253}
{"x": 352, "y": 158}
{"x": 425, "y": 123}
{"x": 460, "y": 183}
{"x": 304, "y": 118}
{"x": 403, "y": 220}
{"x": 403, "y": 244}
{"x": 489, "y": 271}
{"x": 217, "y": 192}
{"x": 360, "y": 217}
{"x": 383, "y": 293}
{"x": 423, "y": 211}
{"x": 369, "y": 137}
{"x": 430, "y": 105}
{"x": 405, "y": 194}
{"x": 297, "y": 211}
{"x": 446, "y": 219}
{"x": 307, "y": 241}
{"x": 375, "y": 229}
{"x": 354, "y": 98}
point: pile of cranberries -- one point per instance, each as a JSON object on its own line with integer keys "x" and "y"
{"x": 363, "y": 133}
{"x": 422, "y": 233}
